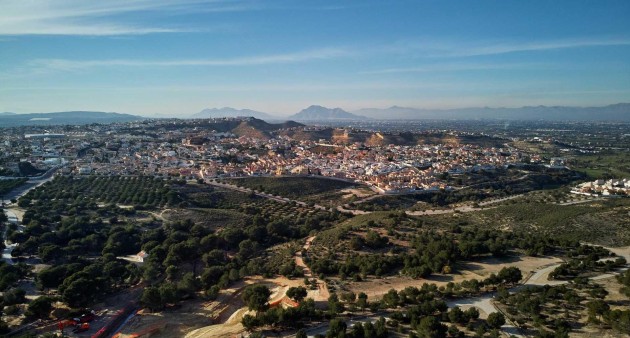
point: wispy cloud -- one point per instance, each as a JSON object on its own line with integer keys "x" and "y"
{"x": 447, "y": 48}
{"x": 257, "y": 87}
{"x": 70, "y": 65}
{"x": 455, "y": 67}
{"x": 95, "y": 18}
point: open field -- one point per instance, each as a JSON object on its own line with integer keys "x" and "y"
{"x": 292, "y": 187}
{"x": 601, "y": 222}
{"x": 603, "y": 165}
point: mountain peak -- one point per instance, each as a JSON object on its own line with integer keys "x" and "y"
{"x": 316, "y": 112}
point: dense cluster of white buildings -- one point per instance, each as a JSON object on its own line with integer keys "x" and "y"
{"x": 194, "y": 152}
{"x": 612, "y": 187}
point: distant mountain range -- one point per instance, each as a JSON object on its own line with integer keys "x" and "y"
{"x": 245, "y": 127}
{"x": 614, "y": 112}
{"x": 68, "y": 117}
{"x": 211, "y": 113}
{"x": 322, "y": 113}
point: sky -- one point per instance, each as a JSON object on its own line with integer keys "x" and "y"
{"x": 175, "y": 58}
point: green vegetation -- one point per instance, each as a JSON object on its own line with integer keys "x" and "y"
{"x": 606, "y": 164}
{"x": 624, "y": 280}
{"x": 604, "y": 222}
{"x": 292, "y": 187}
{"x": 422, "y": 310}
{"x": 497, "y": 184}
{"x": 27, "y": 169}
{"x": 587, "y": 260}
{"x": 389, "y": 243}
{"x": 143, "y": 192}
{"x": 8, "y": 185}
{"x": 84, "y": 242}
{"x": 537, "y": 309}
{"x": 10, "y": 274}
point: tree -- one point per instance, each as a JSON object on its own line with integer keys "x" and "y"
{"x": 496, "y": 320}
{"x": 334, "y": 305}
{"x": 250, "y": 322}
{"x": 391, "y": 299}
{"x": 297, "y": 293}
{"x": 348, "y": 297}
{"x": 596, "y": 308}
{"x": 357, "y": 330}
{"x": 362, "y": 300}
{"x": 356, "y": 243}
{"x": 456, "y": 315}
{"x": 301, "y": 334}
{"x": 374, "y": 240}
{"x": 168, "y": 293}
{"x": 337, "y": 328}
{"x": 14, "y": 296}
{"x": 453, "y": 331}
{"x": 430, "y": 327}
{"x": 151, "y": 298}
{"x": 624, "y": 280}
{"x": 256, "y": 297}
{"x": 472, "y": 313}
{"x": 40, "y": 307}
{"x": 510, "y": 275}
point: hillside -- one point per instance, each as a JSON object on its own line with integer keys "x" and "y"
{"x": 230, "y": 112}
{"x": 69, "y": 117}
{"x": 320, "y": 113}
{"x": 248, "y": 126}
{"x": 347, "y": 136}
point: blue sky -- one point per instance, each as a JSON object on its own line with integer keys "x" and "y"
{"x": 174, "y": 58}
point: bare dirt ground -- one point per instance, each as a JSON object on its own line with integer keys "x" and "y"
{"x": 376, "y": 288}
{"x": 218, "y": 318}
{"x": 17, "y": 211}
{"x": 358, "y": 192}
{"x": 196, "y": 318}
{"x": 616, "y": 300}
{"x": 321, "y": 294}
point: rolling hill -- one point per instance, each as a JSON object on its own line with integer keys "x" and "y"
{"x": 231, "y": 112}
{"x": 68, "y": 117}
{"x": 319, "y": 113}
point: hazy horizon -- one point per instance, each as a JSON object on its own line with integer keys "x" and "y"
{"x": 175, "y": 58}
{"x": 285, "y": 115}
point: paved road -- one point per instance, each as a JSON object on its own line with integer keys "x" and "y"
{"x": 15, "y": 194}
{"x": 583, "y": 201}
{"x": 343, "y": 208}
{"x": 6, "y": 252}
{"x": 31, "y": 184}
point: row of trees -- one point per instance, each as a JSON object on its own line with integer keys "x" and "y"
{"x": 140, "y": 191}
{"x": 8, "y": 185}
